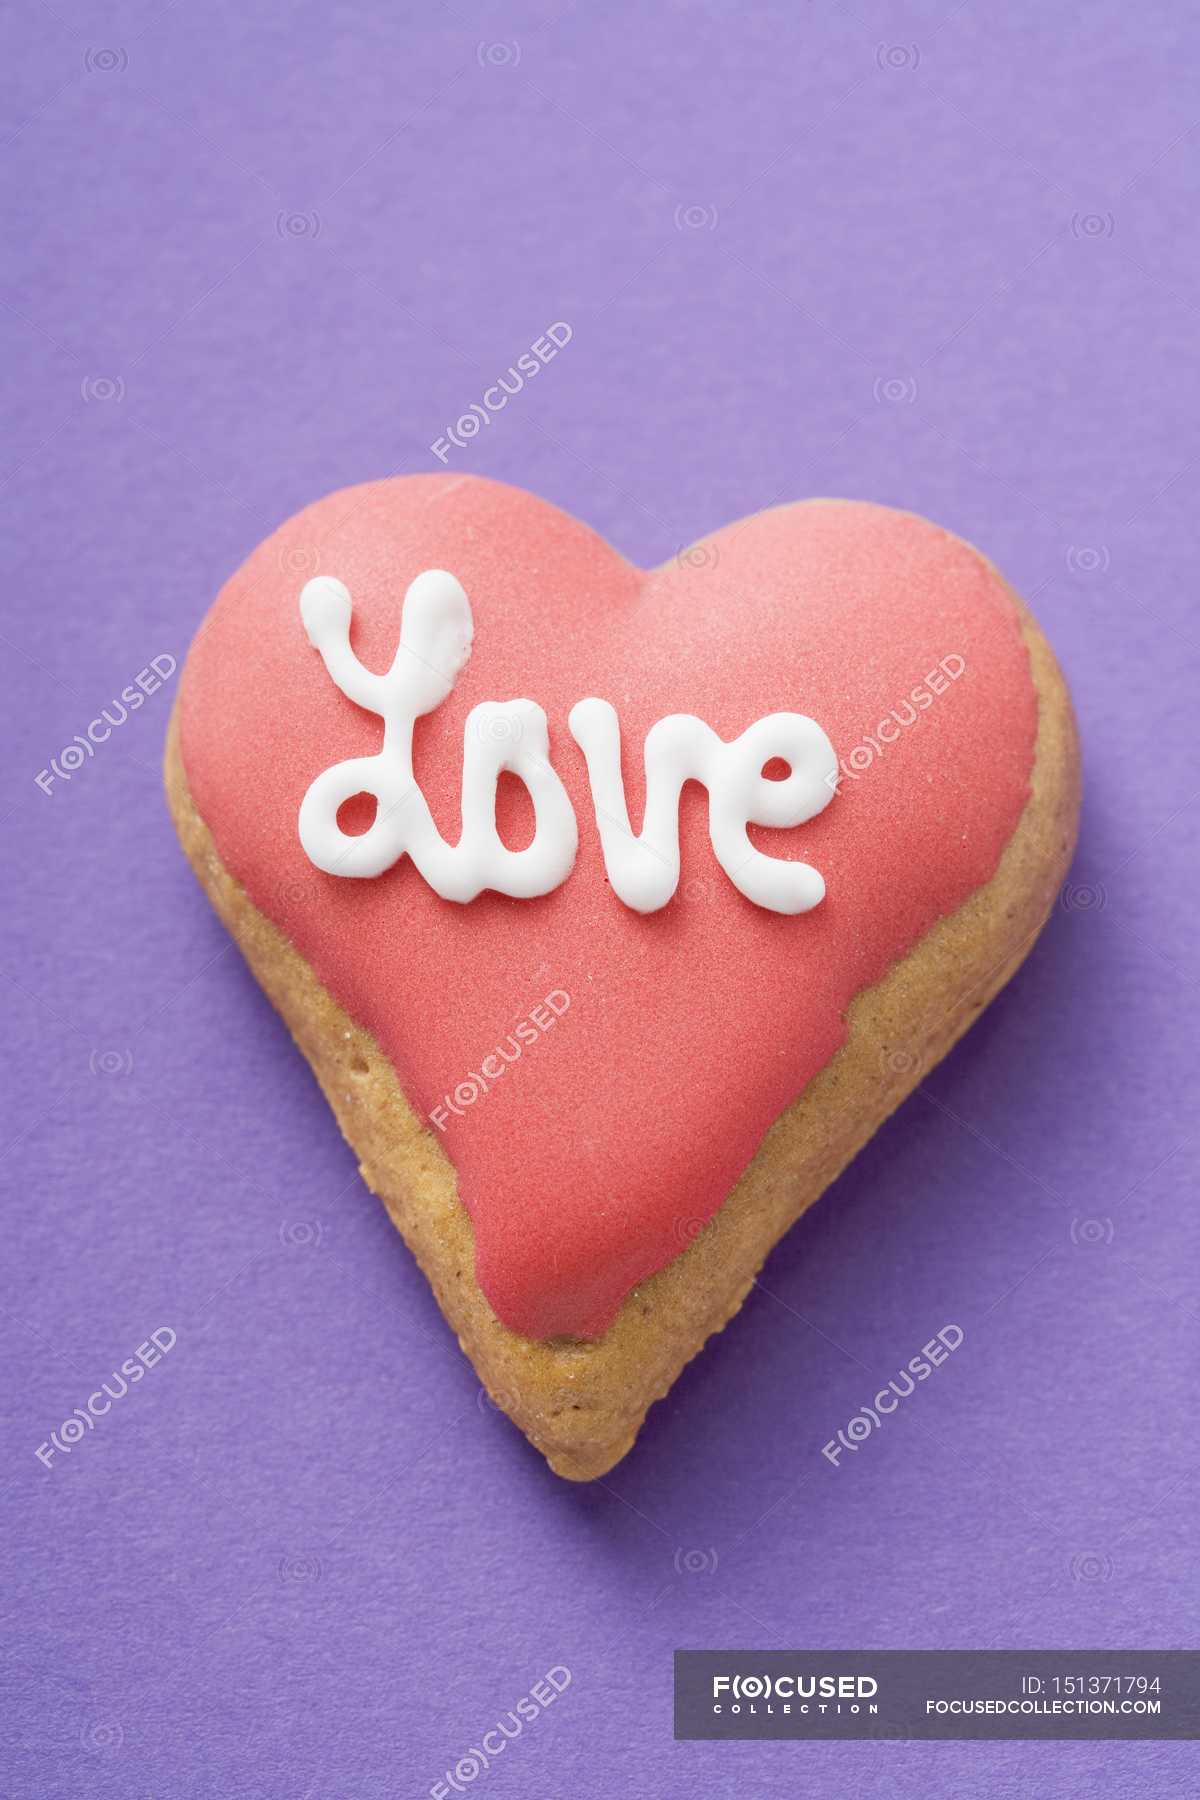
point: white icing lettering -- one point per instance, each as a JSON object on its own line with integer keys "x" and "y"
{"x": 435, "y": 641}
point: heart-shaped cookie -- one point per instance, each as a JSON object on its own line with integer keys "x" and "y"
{"x": 598, "y": 1015}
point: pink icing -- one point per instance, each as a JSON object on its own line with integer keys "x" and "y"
{"x": 591, "y": 1162}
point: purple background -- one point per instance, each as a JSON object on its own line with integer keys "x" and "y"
{"x": 937, "y": 256}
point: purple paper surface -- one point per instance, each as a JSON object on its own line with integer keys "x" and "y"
{"x": 938, "y": 256}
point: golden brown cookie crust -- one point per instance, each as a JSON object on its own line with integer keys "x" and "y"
{"x": 582, "y": 1403}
